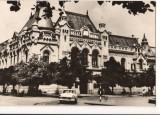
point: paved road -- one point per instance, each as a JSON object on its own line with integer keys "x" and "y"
{"x": 112, "y": 100}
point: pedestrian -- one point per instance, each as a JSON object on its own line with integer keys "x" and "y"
{"x": 144, "y": 92}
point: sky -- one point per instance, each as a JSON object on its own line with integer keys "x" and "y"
{"x": 118, "y": 20}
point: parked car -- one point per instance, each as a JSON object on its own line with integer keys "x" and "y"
{"x": 68, "y": 95}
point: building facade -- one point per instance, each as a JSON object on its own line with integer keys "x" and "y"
{"x": 53, "y": 41}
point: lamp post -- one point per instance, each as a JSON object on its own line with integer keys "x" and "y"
{"x": 77, "y": 84}
{"x": 100, "y": 92}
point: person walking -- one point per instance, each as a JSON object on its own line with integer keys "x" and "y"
{"x": 144, "y": 92}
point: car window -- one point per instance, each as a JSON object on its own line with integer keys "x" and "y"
{"x": 65, "y": 91}
{"x": 69, "y": 91}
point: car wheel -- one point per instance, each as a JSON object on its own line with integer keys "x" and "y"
{"x": 75, "y": 101}
{"x": 60, "y": 101}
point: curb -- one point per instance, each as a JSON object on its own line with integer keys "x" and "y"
{"x": 102, "y": 104}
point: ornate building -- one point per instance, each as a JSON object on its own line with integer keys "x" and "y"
{"x": 54, "y": 41}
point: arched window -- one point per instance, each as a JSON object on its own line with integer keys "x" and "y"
{"x": 46, "y": 56}
{"x": 95, "y": 58}
{"x": 123, "y": 60}
{"x": 140, "y": 64}
{"x": 85, "y": 57}
{"x": 74, "y": 54}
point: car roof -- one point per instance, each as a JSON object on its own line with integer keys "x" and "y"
{"x": 69, "y": 89}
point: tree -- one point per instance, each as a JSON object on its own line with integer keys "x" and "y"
{"x": 139, "y": 80}
{"x": 78, "y": 69}
{"x": 150, "y": 77}
{"x": 36, "y": 75}
{"x": 12, "y": 80}
{"x": 70, "y": 70}
{"x": 2, "y": 80}
{"x": 32, "y": 74}
{"x": 5, "y": 77}
{"x": 65, "y": 77}
{"x": 128, "y": 80}
{"x": 52, "y": 73}
{"x": 133, "y": 7}
{"x": 112, "y": 73}
{"x": 20, "y": 73}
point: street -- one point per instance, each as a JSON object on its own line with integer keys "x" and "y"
{"x": 113, "y": 100}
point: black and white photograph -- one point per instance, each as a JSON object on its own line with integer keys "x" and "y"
{"x": 78, "y": 53}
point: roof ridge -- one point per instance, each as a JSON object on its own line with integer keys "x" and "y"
{"x": 123, "y": 36}
{"x": 31, "y": 19}
{"x": 76, "y": 13}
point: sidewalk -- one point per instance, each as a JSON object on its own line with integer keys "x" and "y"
{"x": 102, "y": 103}
{"x": 113, "y": 100}
{"x": 97, "y": 95}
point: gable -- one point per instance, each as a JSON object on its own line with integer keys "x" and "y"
{"x": 141, "y": 56}
{"x": 47, "y": 46}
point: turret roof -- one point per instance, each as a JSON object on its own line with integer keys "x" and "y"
{"x": 42, "y": 23}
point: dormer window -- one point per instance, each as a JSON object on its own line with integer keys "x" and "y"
{"x": 102, "y": 25}
{"x": 104, "y": 37}
{"x": 90, "y": 27}
{"x": 64, "y": 18}
{"x": 71, "y": 23}
{"x": 85, "y": 33}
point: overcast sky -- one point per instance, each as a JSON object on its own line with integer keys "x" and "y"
{"x": 118, "y": 20}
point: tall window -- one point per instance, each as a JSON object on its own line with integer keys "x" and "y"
{"x": 95, "y": 58}
{"x": 140, "y": 64}
{"x": 123, "y": 60}
{"x": 14, "y": 58}
{"x": 11, "y": 58}
{"x": 17, "y": 57}
{"x": 85, "y": 57}
{"x": 74, "y": 55}
{"x": 46, "y": 56}
{"x": 65, "y": 37}
{"x": 6, "y": 62}
{"x": 26, "y": 54}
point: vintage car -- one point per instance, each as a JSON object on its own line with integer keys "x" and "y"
{"x": 68, "y": 95}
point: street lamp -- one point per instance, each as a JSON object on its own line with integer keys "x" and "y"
{"x": 77, "y": 84}
{"x": 100, "y": 92}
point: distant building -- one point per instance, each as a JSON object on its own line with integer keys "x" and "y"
{"x": 53, "y": 41}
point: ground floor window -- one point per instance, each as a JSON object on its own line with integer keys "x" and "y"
{"x": 46, "y": 56}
